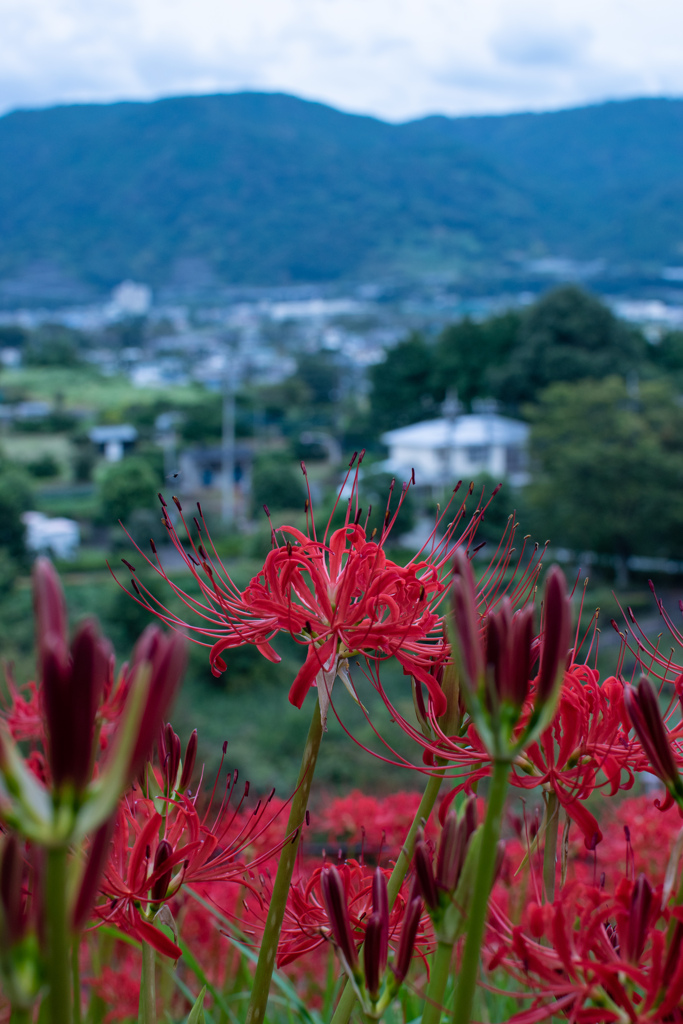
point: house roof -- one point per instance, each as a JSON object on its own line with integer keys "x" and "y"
{"x": 122, "y": 432}
{"x": 461, "y": 432}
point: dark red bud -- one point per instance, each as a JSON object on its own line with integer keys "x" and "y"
{"x": 411, "y": 922}
{"x": 673, "y": 953}
{"x": 380, "y": 905}
{"x": 643, "y": 710}
{"x": 520, "y": 654}
{"x": 638, "y": 920}
{"x": 188, "y": 761}
{"x": 165, "y": 656}
{"x": 374, "y": 954}
{"x": 469, "y": 816}
{"x": 334, "y": 898}
{"x": 466, "y": 619}
{"x": 424, "y": 875}
{"x": 555, "y": 633}
{"x": 98, "y": 854}
{"x": 11, "y": 896}
{"x": 160, "y": 886}
{"x": 49, "y": 605}
{"x": 72, "y": 689}
{"x": 450, "y": 855}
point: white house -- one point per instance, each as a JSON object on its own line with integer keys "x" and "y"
{"x": 59, "y": 537}
{"x": 446, "y": 450}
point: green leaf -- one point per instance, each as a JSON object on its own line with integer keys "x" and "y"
{"x": 197, "y": 1012}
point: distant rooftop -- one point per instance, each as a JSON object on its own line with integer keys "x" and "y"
{"x": 461, "y": 432}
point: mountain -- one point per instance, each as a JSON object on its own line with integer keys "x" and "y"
{"x": 267, "y": 188}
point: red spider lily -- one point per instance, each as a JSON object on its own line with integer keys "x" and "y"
{"x": 339, "y": 596}
{"x": 585, "y": 749}
{"x": 161, "y": 844}
{"x": 307, "y": 923}
{"x": 604, "y": 958}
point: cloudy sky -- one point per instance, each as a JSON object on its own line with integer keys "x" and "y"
{"x": 396, "y": 59}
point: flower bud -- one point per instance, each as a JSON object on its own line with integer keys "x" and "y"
{"x": 334, "y": 898}
{"x": 455, "y": 837}
{"x": 72, "y": 689}
{"x": 643, "y": 710}
{"x": 374, "y": 954}
{"x": 161, "y": 883}
{"x": 11, "y": 895}
{"x": 188, "y": 761}
{"x": 522, "y": 636}
{"x": 497, "y": 651}
{"x": 411, "y": 923}
{"x": 638, "y": 919}
{"x": 165, "y": 657}
{"x": 555, "y": 634}
{"x": 49, "y": 606}
{"x": 98, "y": 854}
{"x": 424, "y": 875}
{"x": 466, "y": 621}
{"x": 380, "y": 906}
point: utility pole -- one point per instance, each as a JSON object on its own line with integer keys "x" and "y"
{"x": 228, "y": 442}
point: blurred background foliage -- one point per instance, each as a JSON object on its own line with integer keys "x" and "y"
{"x": 606, "y": 477}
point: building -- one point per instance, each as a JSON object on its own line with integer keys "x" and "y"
{"x": 443, "y": 451}
{"x": 114, "y": 441}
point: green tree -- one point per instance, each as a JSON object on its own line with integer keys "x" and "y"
{"x": 568, "y": 335}
{"x": 277, "y": 483}
{"x": 125, "y": 487}
{"x": 16, "y": 497}
{"x": 403, "y": 385}
{"x": 608, "y": 467}
{"x": 467, "y": 352}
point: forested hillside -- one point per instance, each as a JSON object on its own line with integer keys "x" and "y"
{"x": 262, "y": 189}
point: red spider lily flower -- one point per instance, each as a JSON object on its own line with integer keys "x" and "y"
{"x": 338, "y": 595}
{"x": 606, "y": 958}
{"x": 586, "y": 749}
{"x": 374, "y": 986}
{"x": 308, "y": 923}
{"x": 157, "y": 851}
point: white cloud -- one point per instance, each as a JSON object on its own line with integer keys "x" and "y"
{"x": 393, "y": 58}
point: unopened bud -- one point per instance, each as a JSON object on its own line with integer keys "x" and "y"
{"x": 11, "y": 897}
{"x": 380, "y": 905}
{"x": 411, "y": 923}
{"x": 188, "y": 761}
{"x": 165, "y": 657}
{"x": 555, "y": 634}
{"x": 465, "y": 621}
{"x": 334, "y": 898}
{"x": 638, "y": 919}
{"x": 424, "y": 875}
{"x": 521, "y": 655}
{"x": 643, "y": 710}
{"x": 161, "y": 881}
{"x": 97, "y": 855}
{"x": 374, "y": 954}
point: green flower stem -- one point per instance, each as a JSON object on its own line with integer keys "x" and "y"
{"x": 58, "y": 937}
{"x": 283, "y": 878}
{"x": 441, "y": 966}
{"x": 348, "y": 997}
{"x": 20, "y": 1015}
{"x": 552, "y": 823}
{"x": 469, "y": 968}
{"x": 76, "y": 978}
{"x": 148, "y": 995}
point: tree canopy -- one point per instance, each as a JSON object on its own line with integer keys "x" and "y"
{"x": 608, "y": 466}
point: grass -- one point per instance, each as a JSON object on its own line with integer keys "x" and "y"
{"x": 85, "y": 387}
